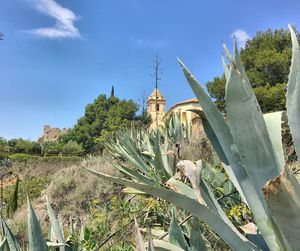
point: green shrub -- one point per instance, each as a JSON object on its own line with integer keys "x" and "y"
{"x": 31, "y": 187}
{"x": 23, "y": 146}
{"x": 72, "y": 148}
{"x": 22, "y": 157}
{"x": 51, "y": 148}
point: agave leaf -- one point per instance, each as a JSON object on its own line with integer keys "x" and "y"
{"x": 132, "y": 173}
{"x": 196, "y": 241}
{"x": 175, "y": 128}
{"x": 293, "y": 93}
{"x": 55, "y": 224}
{"x": 161, "y": 245}
{"x": 238, "y": 63}
{"x": 249, "y": 130}
{"x": 150, "y": 243}
{"x": 218, "y": 148}
{"x": 273, "y": 122}
{"x": 130, "y": 190}
{"x": 225, "y": 68}
{"x": 228, "y": 54}
{"x": 218, "y": 128}
{"x": 11, "y": 240}
{"x": 283, "y": 197}
{"x": 35, "y": 239}
{"x": 176, "y": 236}
{"x": 81, "y": 235}
{"x": 180, "y": 187}
{"x": 148, "y": 143}
{"x": 213, "y": 220}
{"x": 213, "y": 203}
{"x": 54, "y": 244}
{"x": 129, "y": 152}
{"x": 138, "y": 238}
{"x": 3, "y": 244}
{"x": 148, "y": 154}
{"x": 236, "y": 171}
{"x": 159, "y": 164}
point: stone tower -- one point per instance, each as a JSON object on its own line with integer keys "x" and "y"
{"x": 156, "y": 107}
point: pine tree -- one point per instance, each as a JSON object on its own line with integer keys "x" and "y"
{"x": 112, "y": 94}
{"x": 13, "y": 200}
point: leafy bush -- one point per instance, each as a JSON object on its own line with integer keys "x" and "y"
{"x": 72, "y": 148}
{"x": 61, "y": 148}
{"x": 22, "y": 157}
{"x": 51, "y": 148}
{"x": 23, "y": 146}
{"x": 31, "y": 187}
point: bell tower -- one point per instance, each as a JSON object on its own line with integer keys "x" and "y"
{"x": 156, "y": 108}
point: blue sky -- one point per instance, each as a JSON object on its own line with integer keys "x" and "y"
{"x": 58, "y": 55}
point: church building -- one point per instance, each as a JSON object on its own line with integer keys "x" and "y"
{"x": 187, "y": 110}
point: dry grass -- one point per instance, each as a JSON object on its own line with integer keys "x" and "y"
{"x": 199, "y": 148}
{"x": 70, "y": 191}
{"x": 73, "y": 188}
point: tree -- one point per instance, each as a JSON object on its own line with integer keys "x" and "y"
{"x": 101, "y": 120}
{"x": 72, "y": 148}
{"x": 23, "y": 146}
{"x": 266, "y": 58}
{"x": 3, "y": 145}
{"x": 12, "y": 205}
{"x": 112, "y": 94}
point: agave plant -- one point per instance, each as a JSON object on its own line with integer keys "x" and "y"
{"x": 250, "y": 148}
{"x": 36, "y": 242}
{"x": 177, "y": 239}
{"x": 154, "y": 154}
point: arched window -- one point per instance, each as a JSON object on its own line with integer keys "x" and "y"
{"x": 157, "y": 107}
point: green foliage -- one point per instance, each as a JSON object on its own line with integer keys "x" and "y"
{"x": 101, "y": 120}
{"x": 22, "y": 157}
{"x": 271, "y": 98}
{"x": 3, "y": 145}
{"x": 267, "y": 56}
{"x": 5, "y": 161}
{"x": 112, "y": 93}
{"x": 114, "y": 220}
{"x": 16, "y": 195}
{"x": 62, "y": 148}
{"x": 72, "y": 148}
{"x": 143, "y": 120}
{"x": 216, "y": 89}
{"x": 22, "y": 146}
{"x": 266, "y": 59}
{"x": 52, "y": 148}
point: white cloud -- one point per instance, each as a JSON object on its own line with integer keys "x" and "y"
{"x": 64, "y": 21}
{"x": 241, "y": 37}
